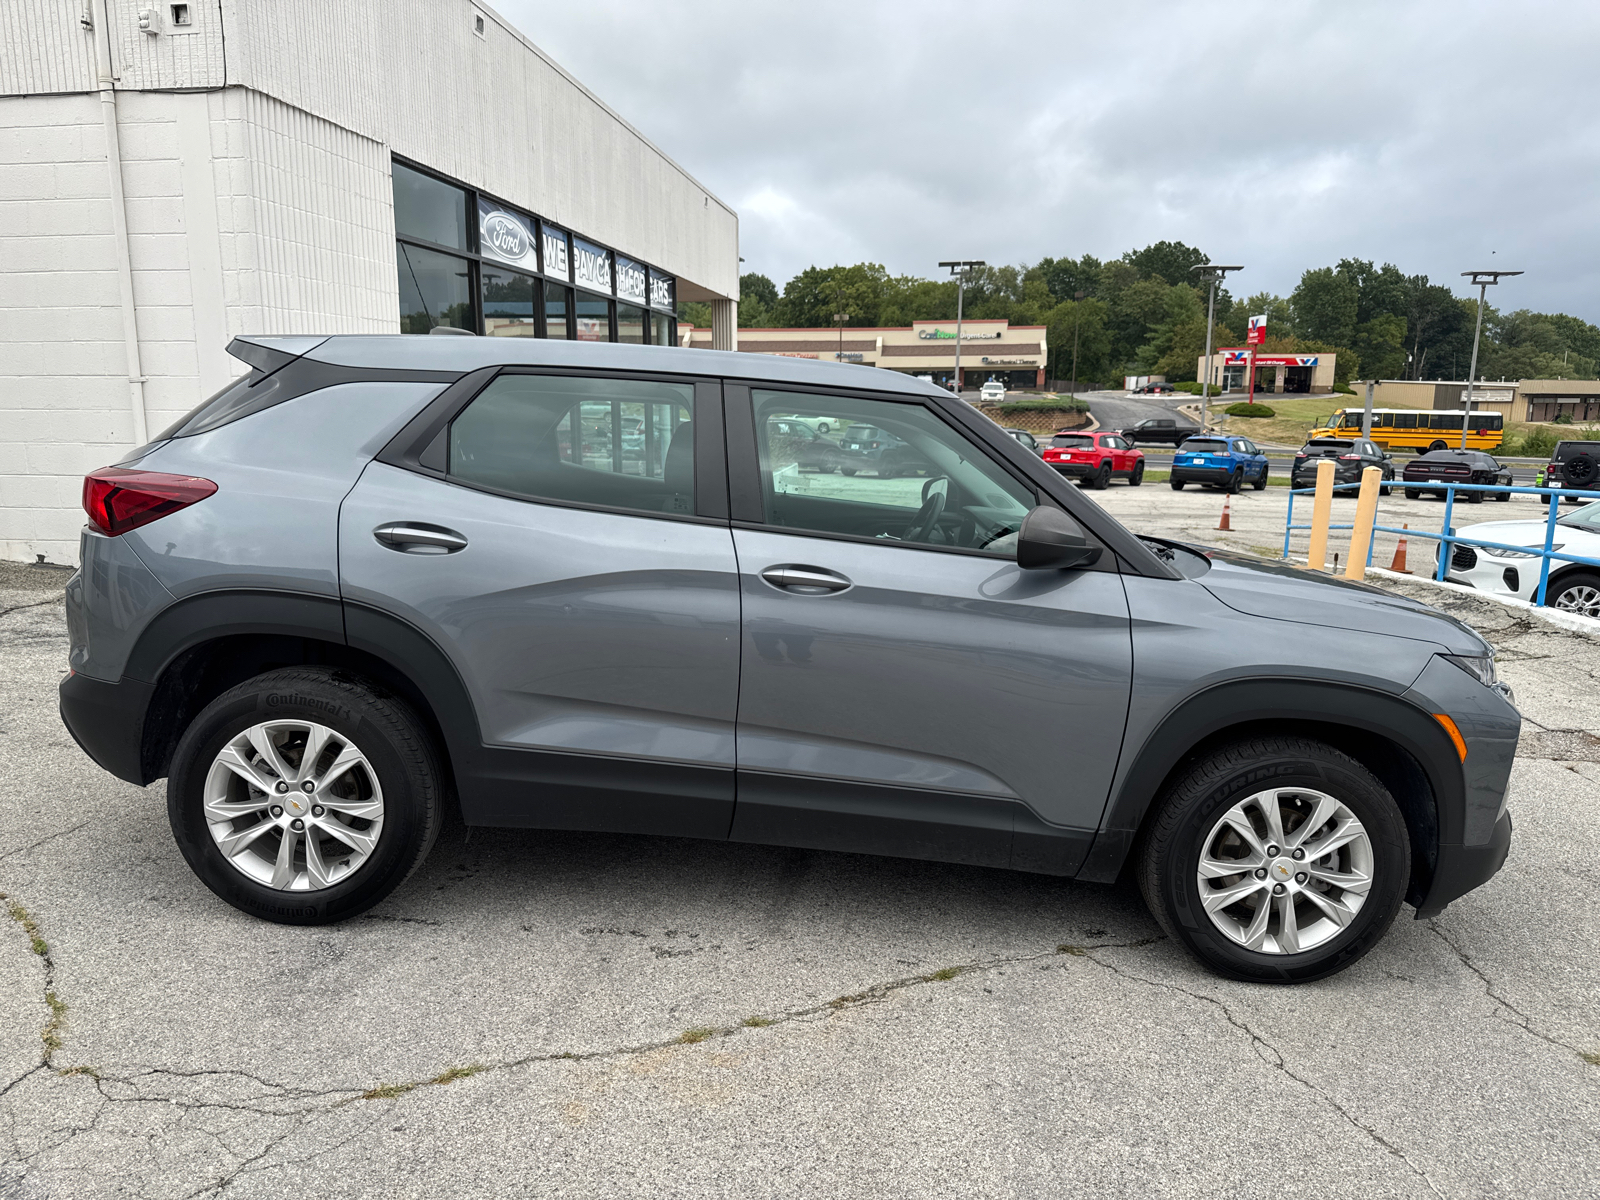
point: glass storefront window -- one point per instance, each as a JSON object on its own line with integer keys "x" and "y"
{"x": 557, "y": 308}
{"x": 508, "y": 303}
{"x": 594, "y": 318}
{"x": 662, "y": 331}
{"x": 429, "y": 210}
{"x": 630, "y": 324}
{"x": 434, "y": 290}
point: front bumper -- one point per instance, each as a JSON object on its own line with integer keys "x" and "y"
{"x": 1462, "y": 868}
{"x": 107, "y": 721}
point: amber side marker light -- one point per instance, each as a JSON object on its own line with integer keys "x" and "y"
{"x": 1455, "y": 734}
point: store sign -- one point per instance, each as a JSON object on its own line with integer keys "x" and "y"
{"x": 1008, "y": 362}
{"x": 506, "y": 237}
{"x": 1258, "y": 331}
{"x": 663, "y": 291}
{"x": 850, "y": 356}
{"x": 556, "y": 264}
{"x": 1239, "y": 357}
{"x": 591, "y": 266}
{"x": 631, "y": 281}
{"x": 939, "y": 335}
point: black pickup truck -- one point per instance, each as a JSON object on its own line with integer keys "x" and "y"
{"x": 1160, "y": 429}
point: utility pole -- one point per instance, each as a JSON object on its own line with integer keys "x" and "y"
{"x": 839, "y": 319}
{"x": 1484, "y": 280}
{"x": 1077, "y": 322}
{"x": 959, "y": 269}
{"x": 1211, "y": 275}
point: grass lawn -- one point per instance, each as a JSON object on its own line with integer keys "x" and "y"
{"x": 1296, "y": 416}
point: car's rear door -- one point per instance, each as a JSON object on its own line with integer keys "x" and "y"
{"x": 905, "y": 688}
{"x": 561, "y": 539}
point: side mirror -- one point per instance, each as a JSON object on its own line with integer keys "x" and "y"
{"x": 1049, "y": 540}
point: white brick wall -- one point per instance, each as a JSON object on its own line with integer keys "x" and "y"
{"x": 244, "y": 216}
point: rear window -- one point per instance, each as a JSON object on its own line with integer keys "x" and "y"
{"x": 1320, "y": 444}
{"x": 1204, "y": 445}
{"x": 1072, "y": 440}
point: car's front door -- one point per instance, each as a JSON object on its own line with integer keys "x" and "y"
{"x": 905, "y": 688}
{"x": 563, "y": 542}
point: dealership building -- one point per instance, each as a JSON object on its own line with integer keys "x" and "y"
{"x": 990, "y": 350}
{"x": 1276, "y": 373}
{"x": 175, "y": 174}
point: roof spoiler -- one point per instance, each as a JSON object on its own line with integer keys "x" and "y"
{"x": 271, "y": 354}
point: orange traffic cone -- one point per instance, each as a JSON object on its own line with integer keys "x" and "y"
{"x": 1227, "y": 508}
{"x": 1398, "y": 566}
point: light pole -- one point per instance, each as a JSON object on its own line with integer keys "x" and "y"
{"x": 1212, "y": 275}
{"x": 959, "y": 270}
{"x": 1077, "y": 322}
{"x": 839, "y": 319}
{"x": 1484, "y": 279}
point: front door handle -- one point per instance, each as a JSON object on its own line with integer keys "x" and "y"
{"x": 413, "y": 537}
{"x": 805, "y": 581}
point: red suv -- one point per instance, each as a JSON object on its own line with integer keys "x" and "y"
{"x": 1095, "y": 457}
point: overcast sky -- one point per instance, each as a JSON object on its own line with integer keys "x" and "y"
{"x": 1439, "y": 135}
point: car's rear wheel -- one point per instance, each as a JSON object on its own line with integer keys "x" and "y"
{"x": 304, "y": 796}
{"x": 847, "y": 470}
{"x": 1413, "y": 493}
{"x": 1177, "y": 484}
{"x": 1236, "y": 483}
{"x": 1474, "y": 497}
{"x": 1138, "y": 474}
{"x": 1276, "y": 860}
{"x": 1102, "y": 478}
{"x": 1578, "y": 593}
{"x": 1436, "y": 444}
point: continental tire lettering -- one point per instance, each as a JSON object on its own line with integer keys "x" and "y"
{"x": 280, "y": 700}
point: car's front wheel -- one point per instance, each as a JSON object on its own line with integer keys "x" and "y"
{"x": 1276, "y": 860}
{"x": 1578, "y": 593}
{"x": 304, "y": 796}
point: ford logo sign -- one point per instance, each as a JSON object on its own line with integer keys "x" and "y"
{"x": 506, "y": 235}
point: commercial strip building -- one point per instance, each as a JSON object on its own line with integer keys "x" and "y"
{"x": 990, "y": 350}
{"x": 173, "y": 175}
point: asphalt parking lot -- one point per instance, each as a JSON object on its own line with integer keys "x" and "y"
{"x": 586, "y": 1015}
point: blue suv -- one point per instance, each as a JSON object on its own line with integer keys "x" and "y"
{"x": 1221, "y": 461}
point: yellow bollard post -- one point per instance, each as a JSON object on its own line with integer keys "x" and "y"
{"x": 1366, "y": 513}
{"x": 1321, "y": 511}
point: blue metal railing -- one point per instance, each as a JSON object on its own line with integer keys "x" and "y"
{"x": 1447, "y": 539}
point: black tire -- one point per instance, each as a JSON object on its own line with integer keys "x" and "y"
{"x": 1102, "y": 479}
{"x": 1571, "y": 581}
{"x": 1436, "y": 444}
{"x": 1177, "y": 484}
{"x": 1581, "y": 470}
{"x": 886, "y": 472}
{"x": 847, "y": 470}
{"x": 1235, "y": 483}
{"x": 1184, "y": 818}
{"x": 1474, "y": 497}
{"x": 382, "y": 726}
{"x": 1413, "y": 493}
{"x": 1504, "y": 495}
{"x": 1138, "y": 474}
{"x": 1260, "y": 485}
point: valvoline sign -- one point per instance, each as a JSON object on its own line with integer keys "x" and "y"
{"x": 1230, "y": 357}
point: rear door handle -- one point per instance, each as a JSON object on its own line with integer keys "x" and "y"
{"x": 413, "y": 537}
{"x": 805, "y": 581}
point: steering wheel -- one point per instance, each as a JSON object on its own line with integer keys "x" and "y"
{"x": 927, "y": 518}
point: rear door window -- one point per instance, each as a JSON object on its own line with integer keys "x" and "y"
{"x": 613, "y": 443}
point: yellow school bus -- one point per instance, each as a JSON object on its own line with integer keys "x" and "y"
{"x": 1417, "y": 428}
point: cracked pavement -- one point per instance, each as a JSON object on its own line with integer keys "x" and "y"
{"x": 592, "y": 1015}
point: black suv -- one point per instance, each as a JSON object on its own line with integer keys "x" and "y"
{"x": 1574, "y": 464}
{"x": 1351, "y": 456}
{"x": 1159, "y": 429}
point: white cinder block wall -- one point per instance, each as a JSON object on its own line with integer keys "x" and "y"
{"x": 255, "y": 166}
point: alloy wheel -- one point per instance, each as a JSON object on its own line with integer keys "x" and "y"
{"x": 1580, "y": 598}
{"x": 293, "y": 805}
{"x": 1285, "y": 870}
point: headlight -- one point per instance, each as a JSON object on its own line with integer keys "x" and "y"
{"x": 1495, "y": 553}
{"x": 1480, "y": 667}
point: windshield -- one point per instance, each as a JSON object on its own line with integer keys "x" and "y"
{"x": 1071, "y": 439}
{"x": 1204, "y": 445}
{"x": 1587, "y": 517}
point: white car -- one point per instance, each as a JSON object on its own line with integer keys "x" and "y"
{"x": 1574, "y": 587}
{"x": 992, "y": 392}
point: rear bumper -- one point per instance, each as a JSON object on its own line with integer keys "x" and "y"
{"x": 107, "y": 722}
{"x": 1074, "y": 470}
{"x": 1462, "y": 868}
{"x": 1203, "y": 474}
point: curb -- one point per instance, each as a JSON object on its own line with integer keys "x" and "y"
{"x": 1569, "y": 622}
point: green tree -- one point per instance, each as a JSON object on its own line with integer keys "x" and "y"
{"x": 812, "y": 297}
{"x": 1066, "y": 277}
{"x": 1325, "y": 306}
{"x": 1086, "y": 320}
{"x": 1171, "y": 262}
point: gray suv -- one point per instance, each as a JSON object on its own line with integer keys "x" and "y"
{"x": 590, "y": 587}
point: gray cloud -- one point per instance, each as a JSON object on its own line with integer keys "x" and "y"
{"x": 1281, "y": 135}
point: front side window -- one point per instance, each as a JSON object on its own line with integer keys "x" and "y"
{"x": 435, "y": 289}
{"x": 606, "y": 442}
{"x": 896, "y": 473}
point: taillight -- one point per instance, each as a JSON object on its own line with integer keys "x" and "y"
{"x": 118, "y": 499}
{"x": 1349, "y": 458}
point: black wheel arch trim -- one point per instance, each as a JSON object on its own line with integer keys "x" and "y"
{"x": 1426, "y": 778}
